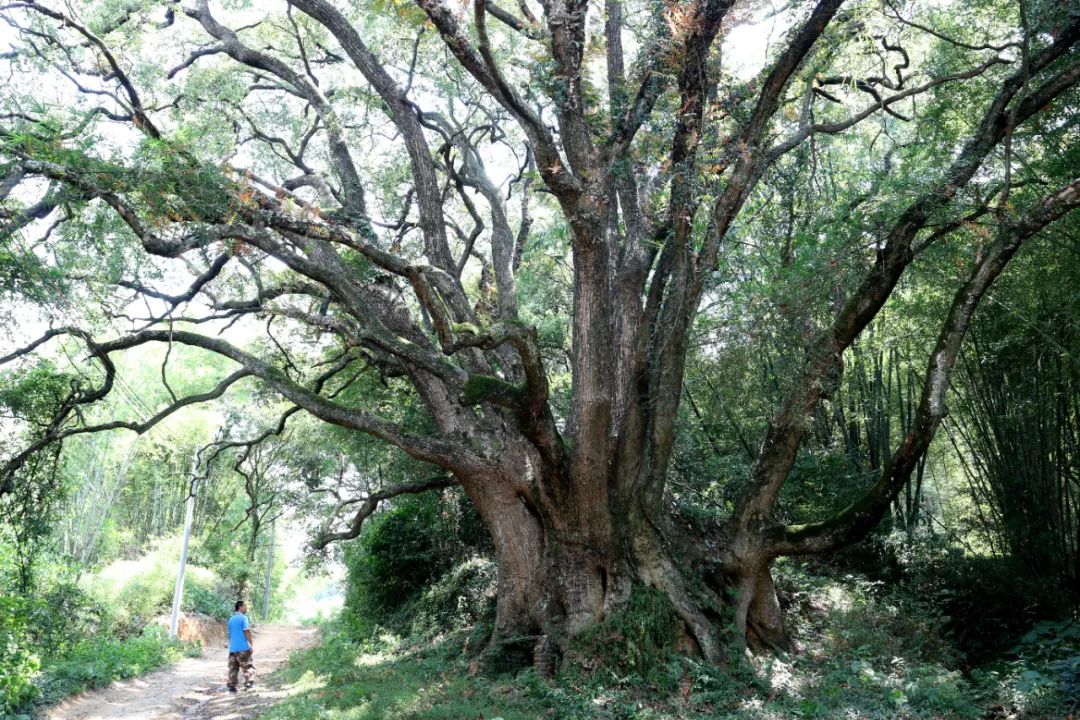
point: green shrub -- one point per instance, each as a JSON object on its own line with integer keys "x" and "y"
{"x": 1067, "y": 670}
{"x": 56, "y": 622}
{"x": 866, "y": 650}
{"x": 1041, "y": 676}
{"x": 63, "y": 614}
{"x": 635, "y": 644}
{"x": 93, "y": 663}
{"x": 988, "y": 602}
{"x": 142, "y": 589}
{"x": 207, "y": 597}
{"x": 866, "y": 616}
{"x": 18, "y": 662}
{"x": 137, "y": 590}
{"x": 401, "y": 553}
{"x": 461, "y": 598}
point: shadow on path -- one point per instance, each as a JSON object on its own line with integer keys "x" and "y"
{"x": 192, "y": 689}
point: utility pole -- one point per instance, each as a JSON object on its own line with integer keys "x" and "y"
{"x": 269, "y": 572}
{"x": 189, "y": 515}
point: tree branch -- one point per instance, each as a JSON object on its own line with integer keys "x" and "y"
{"x": 371, "y": 503}
{"x": 860, "y": 517}
{"x": 823, "y": 363}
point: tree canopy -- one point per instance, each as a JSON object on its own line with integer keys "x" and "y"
{"x": 495, "y": 238}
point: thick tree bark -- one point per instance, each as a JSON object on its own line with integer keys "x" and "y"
{"x": 765, "y": 627}
{"x": 567, "y": 561}
{"x": 518, "y": 537}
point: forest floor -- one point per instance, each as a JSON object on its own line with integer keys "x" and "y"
{"x": 194, "y": 689}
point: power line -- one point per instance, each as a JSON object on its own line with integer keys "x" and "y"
{"x": 51, "y": 303}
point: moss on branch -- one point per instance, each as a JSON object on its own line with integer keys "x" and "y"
{"x": 485, "y": 388}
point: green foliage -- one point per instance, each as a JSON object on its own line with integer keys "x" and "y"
{"x": 97, "y": 662}
{"x": 820, "y": 484}
{"x": 174, "y": 186}
{"x": 31, "y": 395}
{"x": 63, "y": 614}
{"x": 36, "y": 392}
{"x": 139, "y": 590}
{"x": 19, "y": 662}
{"x": 1042, "y": 676}
{"x": 481, "y": 387}
{"x": 859, "y": 655}
{"x": 865, "y": 615}
{"x": 959, "y": 587}
{"x": 342, "y": 679}
{"x": 861, "y": 652}
{"x": 208, "y": 599}
{"x": 463, "y": 597}
{"x": 635, "y": 644}
{"x": 26, "y": 516}
{"x": 40, "y": 629}
{"x": 402, "y": 552}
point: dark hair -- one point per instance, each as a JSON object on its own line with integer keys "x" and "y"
{"x": 238, "y": 604}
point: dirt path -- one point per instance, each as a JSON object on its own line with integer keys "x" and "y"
{"x": 193, "y": 689}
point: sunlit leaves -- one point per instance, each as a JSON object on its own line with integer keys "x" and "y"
{"x": 36, "y": 392}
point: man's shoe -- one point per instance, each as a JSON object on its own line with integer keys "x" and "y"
{"x": 232, "y": 689}
{"x": 249, "y": 685}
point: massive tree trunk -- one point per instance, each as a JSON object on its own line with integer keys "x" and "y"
{"x": 503, "y": 500}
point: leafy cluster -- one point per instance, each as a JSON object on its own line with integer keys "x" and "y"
{"x": 412, "y": 567}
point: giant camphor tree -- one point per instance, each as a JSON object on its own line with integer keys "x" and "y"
{"x": 358, "y": 184}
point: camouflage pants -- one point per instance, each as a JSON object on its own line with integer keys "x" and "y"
{"x": 241, "y": 661}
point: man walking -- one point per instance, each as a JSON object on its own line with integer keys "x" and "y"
{"x": 240, "y": 648}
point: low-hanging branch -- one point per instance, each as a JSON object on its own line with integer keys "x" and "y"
{"x": 433, "y": 450}
{"x": 370, "y": 503}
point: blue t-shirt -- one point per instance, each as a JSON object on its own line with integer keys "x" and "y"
{"x": 238, "y": 623}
